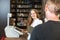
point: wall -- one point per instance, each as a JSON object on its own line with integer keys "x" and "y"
{"x": 4, "y": 10}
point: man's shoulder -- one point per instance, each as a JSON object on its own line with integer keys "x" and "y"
{"x": 42, "y": 26}
{"x": 39, "y": 27}
{"x": 47, "y": 25}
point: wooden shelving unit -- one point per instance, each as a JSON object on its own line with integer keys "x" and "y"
{"x": 20, "y": 10}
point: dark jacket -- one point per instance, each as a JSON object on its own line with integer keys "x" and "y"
{"x": 47, "y": 31}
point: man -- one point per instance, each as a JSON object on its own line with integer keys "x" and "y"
{"x": 51, "y": 29}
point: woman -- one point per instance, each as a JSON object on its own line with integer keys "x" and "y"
{"x": 33, "y": 20}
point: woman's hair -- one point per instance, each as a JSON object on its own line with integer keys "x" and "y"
{"x": 36, "y": 11}
{"x": 29, "y": 18}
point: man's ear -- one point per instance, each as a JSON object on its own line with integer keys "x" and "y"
{"x": 46, "y": 8}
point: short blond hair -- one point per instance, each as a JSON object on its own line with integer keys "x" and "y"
{"x": 54, "y": 6}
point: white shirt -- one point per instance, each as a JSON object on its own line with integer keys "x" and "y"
{"x": 45, "y": 20}
{"x": 36, "y": 22}
{"x": 10, "y": 31}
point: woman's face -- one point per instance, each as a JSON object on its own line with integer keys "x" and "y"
{"x": 33, "y": 14}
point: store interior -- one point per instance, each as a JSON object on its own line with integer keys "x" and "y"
{"x": 19, "y": 18}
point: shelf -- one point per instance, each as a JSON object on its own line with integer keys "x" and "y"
{"x": 20, "y": 12}
{"x": 23, "y": 16}
{"x": 22, "y": 27}
{"x": 21, "y": 8}
{"x": 38, "y": 1}
{"x": 37, "y": 8}
{"x": 23, "y": 11}
{"x": 13, "y": 17}
{"x": 13, "y": 12}
{"x": 23, "y": 3}
{"x": 13, "y": 3}
{"x": 24, "y": 8}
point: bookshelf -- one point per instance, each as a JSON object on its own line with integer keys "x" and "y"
{"x": 20, "y": 10}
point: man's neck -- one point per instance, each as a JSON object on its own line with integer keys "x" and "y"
{"x": 54, "y": 18}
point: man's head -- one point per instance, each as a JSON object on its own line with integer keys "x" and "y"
{"x": 12, "y": 22}
{"x": 52, "y": 8}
